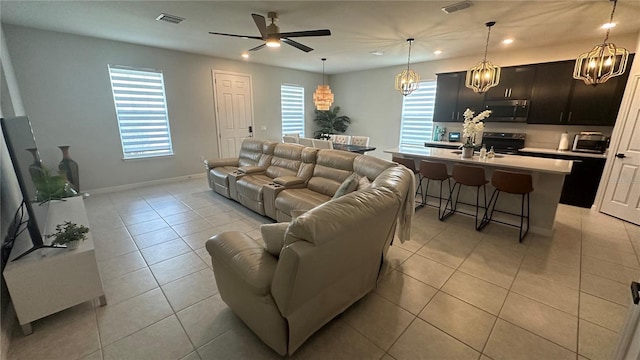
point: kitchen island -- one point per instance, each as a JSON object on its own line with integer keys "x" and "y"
{"x": 548, "y": 178}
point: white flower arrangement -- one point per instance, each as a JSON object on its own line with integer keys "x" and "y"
{"x": 473, "y": 125}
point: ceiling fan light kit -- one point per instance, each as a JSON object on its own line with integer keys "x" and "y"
{"x": 272, "y": 36}
{"x": 407, "y": 81}
{"x": 485, "y": 75}
{"x": 603, "y": 62}
{"x": 323, "y": 98}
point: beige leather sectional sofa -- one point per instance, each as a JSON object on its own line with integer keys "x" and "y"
{"x": 273, "y": 179}
{"x": 322, "y": 261}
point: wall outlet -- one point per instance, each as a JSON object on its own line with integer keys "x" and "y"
{"x": 263, "y": 128}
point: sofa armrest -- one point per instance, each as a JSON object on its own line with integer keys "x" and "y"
{"x": 237, "y": 253}
{"x": 289, "y": 181}
{"x": 250, "y": 169}
{"x": 221, "y": 162}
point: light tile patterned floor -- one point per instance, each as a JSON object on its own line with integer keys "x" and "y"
{"x": 451, "y": 292}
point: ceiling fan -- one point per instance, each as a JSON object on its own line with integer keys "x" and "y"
{"x": 272, "y": 36}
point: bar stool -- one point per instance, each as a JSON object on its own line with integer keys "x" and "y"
{"x": 438, "y": 172}
{"x": 512, "y": 183}
{"x": 468, "y": 176}
{"x": 411, "y": 165}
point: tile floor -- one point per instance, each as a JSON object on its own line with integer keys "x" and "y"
{"x": 450, "y": 292}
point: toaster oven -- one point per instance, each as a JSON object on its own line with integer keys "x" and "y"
{"x": 591, "y": 142}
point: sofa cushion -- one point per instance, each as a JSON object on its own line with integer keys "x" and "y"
{"x": 286, "y": 160}
{"x": 220, "y": 174}
{"x": 347, "y": 186}
{"x": 250, "y": 186}
{"x": 332, "y": 168}
{"x": 299, "y": 199}
{"x": 273, "y": 237}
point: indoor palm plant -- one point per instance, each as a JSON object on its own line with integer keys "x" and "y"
{"x": 329, "y": 122}
{"x": 472, "y": 126}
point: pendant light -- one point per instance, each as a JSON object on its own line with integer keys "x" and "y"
{"x": 485, "y": 75}
{"x": 603, "y": 62}
{"x": 323, "y": 98}
{"x": 407, "y": 80}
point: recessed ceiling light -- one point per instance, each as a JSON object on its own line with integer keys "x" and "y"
{"x": 245, "y": 55}
{"x": 376, "y": 52}
{"x": 507, "y": 41}
{"x": 608, "y": 25}
{"x": 438, "y": 52}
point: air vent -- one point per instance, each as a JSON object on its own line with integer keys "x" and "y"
{"x": 170, "y": 18}
{"x": 457, "y": 7}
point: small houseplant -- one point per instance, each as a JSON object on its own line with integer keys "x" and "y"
{"x": 70, "y": 234}
{"x": 329, "y": 122}
{"x": 471, "y": 126}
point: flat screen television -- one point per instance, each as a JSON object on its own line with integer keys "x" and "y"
{"x": 23, "y": 151}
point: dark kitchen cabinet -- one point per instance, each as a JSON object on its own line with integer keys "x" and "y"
{"x": 557, "y": 98}
{"x": 597, "y": 105}
{"x": 551, "y": 90}
{"x": 515, "y": 83}
{"x": 453, "y": 98}
{"x": 580, "y": 187}
{"x": 446, "y": 97}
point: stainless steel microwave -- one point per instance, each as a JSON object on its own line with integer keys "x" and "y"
{"x": 507, "y": 110}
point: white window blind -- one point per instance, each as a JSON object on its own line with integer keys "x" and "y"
{"x": 417, "y": 115}
{"x": 292, "y": 107}
{"x": 141, "y": 109}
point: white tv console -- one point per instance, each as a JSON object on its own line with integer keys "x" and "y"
{"x": 49, "y": 280}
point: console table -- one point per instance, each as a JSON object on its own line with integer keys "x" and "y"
{"x": 53, "y": 279}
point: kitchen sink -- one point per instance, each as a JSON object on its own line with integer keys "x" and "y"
{"x": 459, "y": 152}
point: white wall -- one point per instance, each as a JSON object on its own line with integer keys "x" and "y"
{"x": 369, "y": 98}
{"x": 66, "y": 92}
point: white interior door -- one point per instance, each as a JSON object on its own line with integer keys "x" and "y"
{"x": 622, "y": 194}
{"x": 234, "y": 111}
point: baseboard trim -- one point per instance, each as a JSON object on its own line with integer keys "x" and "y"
{"x": 111, "y": 189}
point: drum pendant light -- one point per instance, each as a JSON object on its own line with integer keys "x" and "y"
{"x": 323, "y": 98}
{"x": 603, "y": 62}
{"x": 407, "y": 81}
{"x": 485, "y": 75}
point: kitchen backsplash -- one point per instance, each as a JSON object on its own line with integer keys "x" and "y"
{"x": 538, "y": 136}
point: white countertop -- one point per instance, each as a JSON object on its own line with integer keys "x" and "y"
{"x": 566, "y": 153}
{"x": 517, "y": 162}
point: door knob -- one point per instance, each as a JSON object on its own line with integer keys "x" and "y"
{"x": 620, "y": 156}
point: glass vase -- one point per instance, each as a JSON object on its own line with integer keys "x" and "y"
{"x": 69, "y": 168}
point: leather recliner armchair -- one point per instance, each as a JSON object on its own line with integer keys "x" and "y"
{"x": 331, "y": 257}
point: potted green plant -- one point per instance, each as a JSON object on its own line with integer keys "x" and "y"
{"x": 329, "y": 122}
{"x": 50, "y": 186}
{"x": 70, "y": 234}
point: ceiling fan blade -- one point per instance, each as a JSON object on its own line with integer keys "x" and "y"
{"x": 261, "y": 24}
{"x": 257, "y": 47}
{"x": 234, "y": 35}
{"x": 297, "y": 45}
{"x": 324, "y": 32}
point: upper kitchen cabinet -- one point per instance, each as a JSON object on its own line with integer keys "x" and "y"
{"x": 453, "y": 98}
{"x": 551, "y": 90}
{"x": 597, "y": 105}
{"x": 559, "y": 99}
{"x": 515, "y": 83}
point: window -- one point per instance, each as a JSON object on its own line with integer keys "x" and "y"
{"x": 417, "y": 115}
{"x": 292, "y": 105}
{"x": 141, "y": 109}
